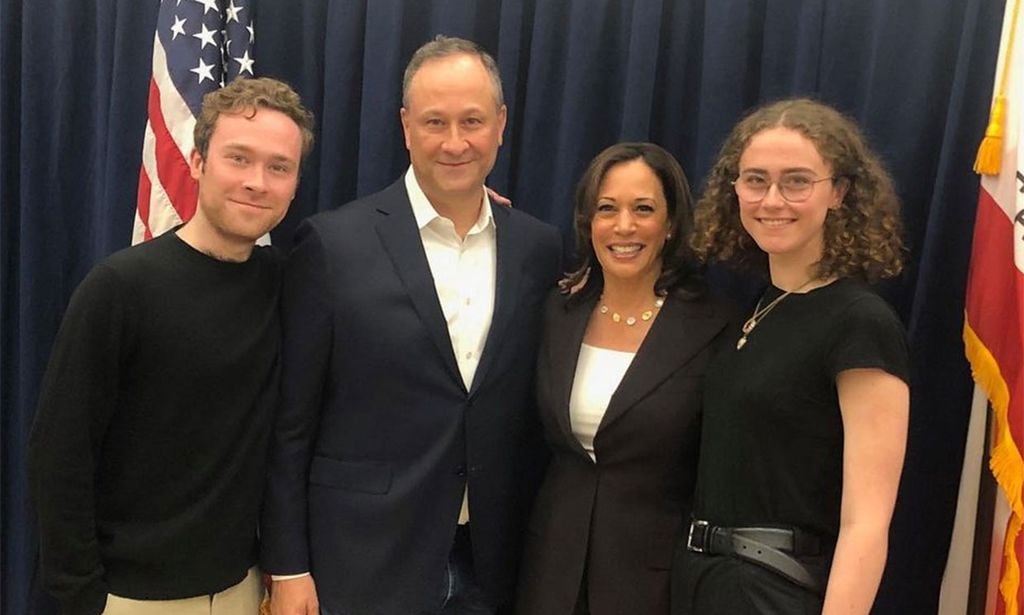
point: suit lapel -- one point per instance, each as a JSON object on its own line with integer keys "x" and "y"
{"x": 565, "y": 336}
{"x": 681, "y": 330}
{"x": 508, "y": 272}
{"x": 401, "y": 239}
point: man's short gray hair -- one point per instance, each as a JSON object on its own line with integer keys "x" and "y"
{"x": 444, "y": 46}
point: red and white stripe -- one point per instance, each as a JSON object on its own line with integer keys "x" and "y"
{"x": 167, "y": 193}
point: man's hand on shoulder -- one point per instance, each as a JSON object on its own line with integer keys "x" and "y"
{"x": 296, "y": 596}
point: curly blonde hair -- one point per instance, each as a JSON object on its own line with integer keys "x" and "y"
{"x": 862, "y": 238}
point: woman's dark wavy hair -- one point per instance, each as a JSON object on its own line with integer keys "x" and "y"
{"x": 863, "y": 237}
{"x": 681, "y": 272}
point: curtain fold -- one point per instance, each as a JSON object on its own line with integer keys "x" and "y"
{"x": 579, "y": 75}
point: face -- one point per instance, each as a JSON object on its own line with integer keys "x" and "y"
{"x": 248, "y": 178}
{"x": 453, "y": 127}
{"x": 630, "y": 223}
{"x": 790, "y": 232}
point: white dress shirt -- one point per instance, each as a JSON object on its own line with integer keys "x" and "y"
{"x": 464, "y": 273}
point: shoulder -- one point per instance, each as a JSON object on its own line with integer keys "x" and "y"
{"x": 525, "y": 224}
{"x": 269, "y": 258}
{"x": 141, "y": 260}
{"x": 360, "y": 210}
{"x": 866, "y": 332}
{"x": 713, "y": 304}
{"x": 857, "y": 303}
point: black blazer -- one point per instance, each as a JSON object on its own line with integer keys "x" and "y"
{"x": 376, "y": 435}
{"x": 618, "y": 519}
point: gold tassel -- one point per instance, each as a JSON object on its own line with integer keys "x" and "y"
{"x": 990, "y": 152}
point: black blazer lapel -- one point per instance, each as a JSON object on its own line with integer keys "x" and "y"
{"x": 508, "y": 272}
{"x": 564, "y": 338}
{"x": 401, "y": 239}
{"x": 681, "y": 330}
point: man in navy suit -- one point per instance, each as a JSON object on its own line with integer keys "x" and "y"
{"x": 405, "y": 453}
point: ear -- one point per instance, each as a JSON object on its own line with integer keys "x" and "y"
{"x": 839, "y": 189}
{"x": 404, "y": 115}
{"x": 502, "y": 118}
{"x": 195, "y": 164}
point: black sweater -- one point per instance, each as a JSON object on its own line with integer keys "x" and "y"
{"x": 147, "y": 456}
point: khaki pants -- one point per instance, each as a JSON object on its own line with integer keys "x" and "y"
{"x": 241, "y": 599}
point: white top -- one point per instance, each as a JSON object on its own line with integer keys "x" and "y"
{"x": 598, "y": 374}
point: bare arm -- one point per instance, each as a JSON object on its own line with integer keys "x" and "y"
{"x": 875, "y": 407}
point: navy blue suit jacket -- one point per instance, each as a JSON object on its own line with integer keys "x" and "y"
{"x": 377, "y": 436}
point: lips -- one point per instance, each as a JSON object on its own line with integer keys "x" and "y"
{"x": 248, "y": 204}
{"x": 775, "y": 222}
{"x": 625, "y": 250}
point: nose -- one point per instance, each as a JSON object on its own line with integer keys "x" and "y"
{"x": 773, "y": 196}
{"x": 454, "y": 143}
{"x": 624, "y": 222}
{"x": 255, "y": 178}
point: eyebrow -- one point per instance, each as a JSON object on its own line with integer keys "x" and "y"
{"x": 639, "y": 198}
{"x": 241, "y": 147}
{"x": 784, "y": 171}
{"x": 435, "y": 110}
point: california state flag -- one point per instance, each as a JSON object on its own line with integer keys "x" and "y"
{"x": 994, "y": 314}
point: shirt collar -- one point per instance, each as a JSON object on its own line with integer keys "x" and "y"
{"x": 425, "y": 213}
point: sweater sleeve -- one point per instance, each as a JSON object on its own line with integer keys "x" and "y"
{"x": 77, "y": 399}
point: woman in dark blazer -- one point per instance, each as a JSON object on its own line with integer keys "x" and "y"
{"x": 626, "y": 341}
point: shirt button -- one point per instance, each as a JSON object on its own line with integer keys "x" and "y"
{"x": 469, "y": 301}
{"x": 469, "y": 355}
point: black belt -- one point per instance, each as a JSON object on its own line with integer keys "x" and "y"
{"x": 770, "y": 547}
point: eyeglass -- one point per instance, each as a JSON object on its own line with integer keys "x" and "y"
{"x": 794, "y": 188}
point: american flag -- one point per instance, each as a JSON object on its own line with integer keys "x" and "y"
{"x": 199, "y": 45}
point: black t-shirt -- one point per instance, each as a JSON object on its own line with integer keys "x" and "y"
{"x": 772, "y": 440}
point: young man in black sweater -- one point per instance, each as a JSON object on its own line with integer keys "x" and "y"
{"x": 148, "y": 452}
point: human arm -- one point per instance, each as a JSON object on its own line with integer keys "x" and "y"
{"x": 875, "y": 409}
{"x": 294, "y": 595}
{"x": 77, "y": 399}
{"x": 305, "y": 318}
{"x": 497, "y": 197}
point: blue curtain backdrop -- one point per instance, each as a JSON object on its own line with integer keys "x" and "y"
{"x": 579, "y": 75}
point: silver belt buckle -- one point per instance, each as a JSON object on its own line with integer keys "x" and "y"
{"x": 689, "y": 536}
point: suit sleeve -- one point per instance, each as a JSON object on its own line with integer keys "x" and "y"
{"x": 306, "y": 324}
{"x": 77, "y": 399}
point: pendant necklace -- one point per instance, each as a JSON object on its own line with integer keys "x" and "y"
{"x": 761, "y": 312}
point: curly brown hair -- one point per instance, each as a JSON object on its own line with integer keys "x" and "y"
{"x": 246, "y": 96}
{"x": 862, "y": 238}
{"x": 681, "y": 272}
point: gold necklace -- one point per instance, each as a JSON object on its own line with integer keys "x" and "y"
{"x": 632, "y": 320}
{"x": 761, "y": 312}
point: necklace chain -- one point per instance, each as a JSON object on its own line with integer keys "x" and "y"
{"x": 761, "y": 312}
{"x": 632, "y": 320}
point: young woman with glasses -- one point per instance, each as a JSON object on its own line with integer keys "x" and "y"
{"x": 805, "y": 412}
